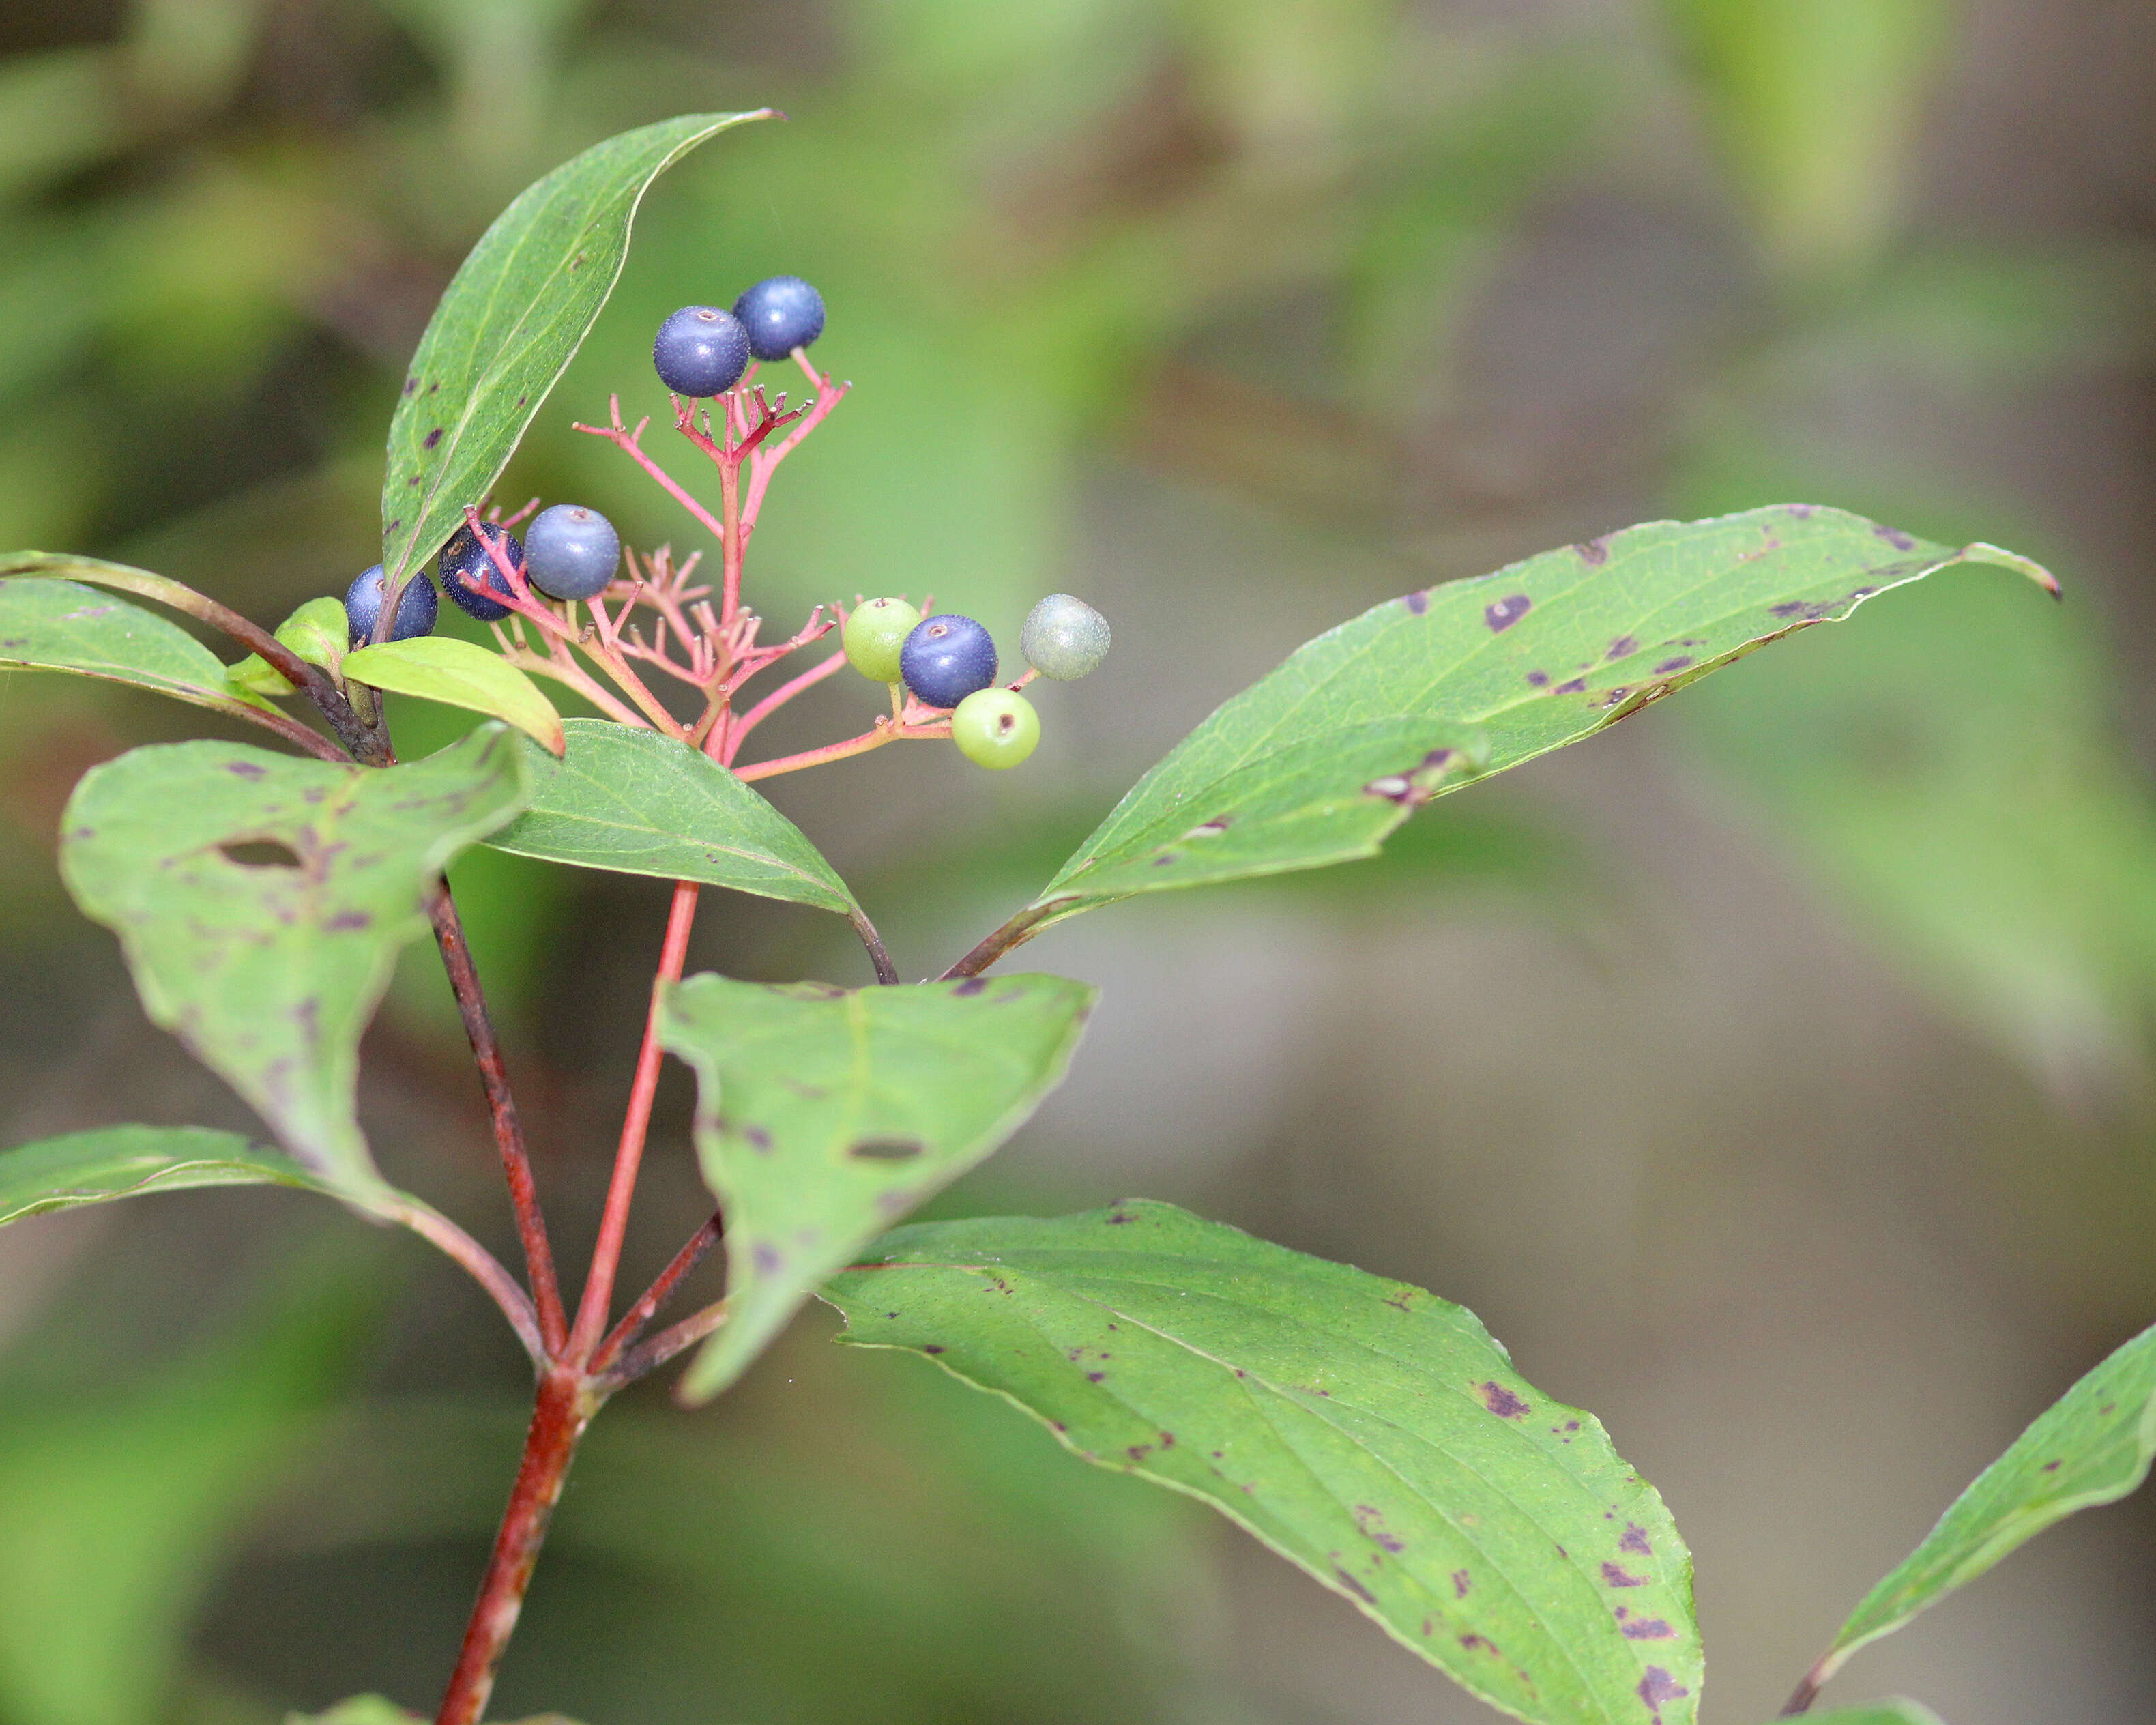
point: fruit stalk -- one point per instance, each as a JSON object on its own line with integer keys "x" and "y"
{"x": 562, "y": 1407}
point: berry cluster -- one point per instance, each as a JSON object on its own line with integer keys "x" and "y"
{"x": 702, "y": 352}
{"x": 941, "y": 668}
{"x": 949, "y": 661}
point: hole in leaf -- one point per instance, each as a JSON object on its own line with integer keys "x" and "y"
{"x": 261, "y": 854}
{"x": 887, "y": 1149}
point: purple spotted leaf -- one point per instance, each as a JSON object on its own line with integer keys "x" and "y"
{"x": 261, "y": 902}
{"x": 507, "y": 327}
{"x": 49, "y": 624}
{"x": 1373, "y": 1434}
{"x": 2091, "y": 1446}
{"x": 1317, "y": 762}
{"x": 824, "y": 1115}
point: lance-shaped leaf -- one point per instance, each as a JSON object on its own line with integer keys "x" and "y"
{"x": 640, "y": 803}
{"x": 1318, "y": 762}
{"x": 124, "y": 1160}
{"x": 460, "y": 674}
{"x": 58, "y": 625}
{"x": 506, "y": 329}
{"x": 2092, "y": 1445}
{"x": 261, "y": 902}
{"x": 824, "y": 1115}
{"x": 1373, "y": 1434}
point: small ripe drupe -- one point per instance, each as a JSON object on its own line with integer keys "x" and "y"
{"x": 570, "y": 551}
{"x": 780, "y": 313}
{"x": 875, "y": 632}
{"x": 995, "y": 727}
{"x": 415, "y": 607}
{"x": 946, "y": 659}
{"x": 464, "y": 556}
{"x": 700, "y": 350}
{"x": 1064, "y": 637}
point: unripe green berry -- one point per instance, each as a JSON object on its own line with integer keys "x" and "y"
{"x": 874, "y": 634}
{"x": 1064, "y": 637}
{"x": 995, "y": 727}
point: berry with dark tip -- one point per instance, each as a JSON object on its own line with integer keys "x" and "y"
{"x": 946, "y": 659}
{"x": 464, "y": 556}
{"x": 570, "y": 551}
{"x": 1064, "y": 637}
{"x": 995, "y": 727}
{"x": 875, "y": 632}
{"x": 780, "y": 313}
{"x": 415, "y": 607}
{"x": 700, "y": 350}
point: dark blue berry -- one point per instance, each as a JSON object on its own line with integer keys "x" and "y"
{"x": 946, "y": 659}
{"x": 780, "y": 313}
{"x": 465, "y": 555}
{"x": 700, "y": 350}
{"x": 415, "y": 607}
{"x": 570, "y": 551}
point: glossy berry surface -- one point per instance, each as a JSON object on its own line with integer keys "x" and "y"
{"x": 946, "y": 659}
{"x": 995, "y": 727}
{"x": 700, "y": 350}
{"x": 780, "y": 313}
{"x": 415, "y": 607}
{"x": 465, "y": 555}
{"x": 570, "y": 551}
{"x": 1064, "y": 637}
{"x": 875, "y": 632}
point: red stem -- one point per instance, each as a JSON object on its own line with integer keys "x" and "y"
{"x": 875, "y": 739}
{"x": 637, "y": 1315}
{"x": 778, "y": 698}
{"x": 501, "y": 1108}
{"x": 606, "y": 1255}
{"x": 563, "y": 1409}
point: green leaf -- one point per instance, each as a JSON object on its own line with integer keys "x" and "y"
{"x": 460, "y": 674}
{"x": 1371, "y": 1433}
{"x": 122, "y": 1161}
{"x": 640, "y": 803}
{"x": 378, "y": 1710}
{"x": 824, "y": 1115}
{"x": 58, "y": 625}
{"x": 261, "y": 902}
{"x": 2092, "y": 1445}
{"x": 1318, "y": 762}
{"x": 518, "y": 309}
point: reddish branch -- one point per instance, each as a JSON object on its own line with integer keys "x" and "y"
{"x": 501, "y": 1108}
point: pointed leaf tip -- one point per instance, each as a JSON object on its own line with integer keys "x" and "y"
{"x": 462, "y": 674}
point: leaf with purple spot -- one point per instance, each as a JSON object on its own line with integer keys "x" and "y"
{"x": 2091, "y": 1446}
{"x": 824, "y": 1115}
{"x": 1319, "y": 762}
{"x": 1373, "y": 1435}
{"x": 261, "y": 902}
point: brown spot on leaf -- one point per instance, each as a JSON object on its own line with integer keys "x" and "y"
{"x": 431, "y": 439}
{"x": 1595, "y": 550}
{"x": 1649, "y": 1628}
{"x": 346, "y": 921}
{"x": 1623, "y": 647}
{"x": 1614, "y": 1576}
{"x": 1501, "y": 1402}
{"x": 1894, "y": 536}
{"x": 1354, "y": 1586}
{"x": 1417, "y": 602}
{"x": 1578, "y": 685}
{"x": 1635, "y": 1540}
{"x": 757, "y": 1137}
{"x": 1504, "y": 613}
{"x": 1658, "y": 1686}
{"x": 1460, "y": 1584}
{"x": 260, "y": 853}
{"x": 972, "y": 985}
{"x": 886, "y": 1149}
{"x": 1538, "y": 679}
{"x": 1680, "y": 663}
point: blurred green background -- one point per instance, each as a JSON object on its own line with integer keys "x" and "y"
{"x": 1773, "y": 1075}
